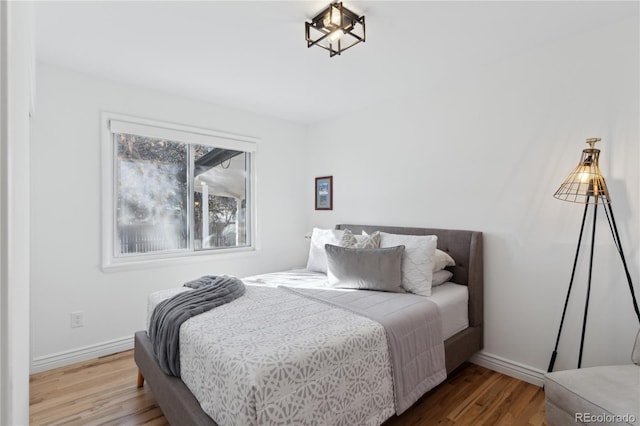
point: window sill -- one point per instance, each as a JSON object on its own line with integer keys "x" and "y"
{"x": 144, "y": 262}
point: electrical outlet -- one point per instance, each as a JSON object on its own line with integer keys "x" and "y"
{"x": 77, "y": 319}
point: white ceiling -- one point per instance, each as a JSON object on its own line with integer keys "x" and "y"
{"x": 252, "y": 55}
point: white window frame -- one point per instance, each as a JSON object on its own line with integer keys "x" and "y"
{"x": 118, "y": 123}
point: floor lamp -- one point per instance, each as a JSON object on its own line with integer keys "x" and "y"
{"x": 586, "y": 185}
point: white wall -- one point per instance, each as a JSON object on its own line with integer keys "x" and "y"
{"x": 66, "y": 217}
{"x": 16, "y": 86}
{"x": 487, "y": 153}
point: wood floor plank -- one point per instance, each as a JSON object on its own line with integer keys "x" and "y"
{"x": 104, "y": 392}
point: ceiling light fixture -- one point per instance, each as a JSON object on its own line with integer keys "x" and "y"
{"x": 335, "y": 29}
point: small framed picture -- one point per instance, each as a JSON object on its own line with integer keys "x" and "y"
{"x": 324, "y": 193}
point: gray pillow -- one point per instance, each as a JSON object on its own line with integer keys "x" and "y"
{"x": 363, "y": 268}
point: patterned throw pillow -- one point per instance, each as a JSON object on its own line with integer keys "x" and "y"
{"x": 360, "y": 241}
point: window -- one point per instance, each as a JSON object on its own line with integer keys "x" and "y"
{"x": 176, "y": 191}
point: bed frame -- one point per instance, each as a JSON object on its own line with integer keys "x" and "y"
{"x": 180, "y": 406}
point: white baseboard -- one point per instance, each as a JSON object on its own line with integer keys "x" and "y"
{"x": 510, "y": 368}
{"x": 60, "y": 359}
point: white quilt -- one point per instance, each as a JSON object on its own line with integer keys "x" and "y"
{"x": 273, "y": 357}
{"x": 329, "y": 366}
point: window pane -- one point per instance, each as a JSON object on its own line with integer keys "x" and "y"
{"x": 151, "y": 195}
{"x": 220, "y": 197}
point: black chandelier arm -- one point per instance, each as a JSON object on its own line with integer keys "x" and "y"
{"x": 586, "y": 303}
{"x": 554, "y": 354}
{"x": 616, "y": 238}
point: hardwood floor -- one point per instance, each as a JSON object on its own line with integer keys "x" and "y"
{"x": 104, "y": 392}
{"x": 97, "y": 392}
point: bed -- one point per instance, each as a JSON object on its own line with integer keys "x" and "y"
{"x": 180, "y": 406}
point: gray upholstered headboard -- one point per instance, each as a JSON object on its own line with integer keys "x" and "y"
{"x": 466, "y": 249}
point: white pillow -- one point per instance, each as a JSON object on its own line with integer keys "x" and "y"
{"x": 440, "y": 277}
{"x": 417, "y": 262}
{"x": 317, "y": 260}
{"x": 441, "y": 260}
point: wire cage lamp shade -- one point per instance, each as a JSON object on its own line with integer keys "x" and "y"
{"x": 585, "y": 184}
{"x": 335, "y": 29}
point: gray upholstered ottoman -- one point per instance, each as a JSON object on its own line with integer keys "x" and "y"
{"x": 607, "y": 395}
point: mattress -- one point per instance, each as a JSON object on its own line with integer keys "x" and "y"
{"x": 453, "y": 301}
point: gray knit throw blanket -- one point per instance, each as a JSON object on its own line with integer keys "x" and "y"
{"x": 209, "y": 292}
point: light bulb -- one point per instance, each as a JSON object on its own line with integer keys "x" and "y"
{"x": 336, "y": 19}
{"x": 335, "y": 36}
{"x": 332, "y": 19}
{"x": 584, "y": 176}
